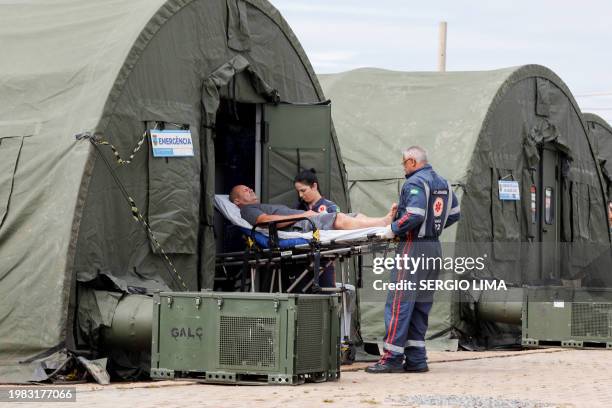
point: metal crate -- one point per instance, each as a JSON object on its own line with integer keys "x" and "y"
{"x": 246, "y": 338}
{"x": 567, "y": 317}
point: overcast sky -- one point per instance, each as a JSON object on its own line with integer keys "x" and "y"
{"x": 573, "y": 38}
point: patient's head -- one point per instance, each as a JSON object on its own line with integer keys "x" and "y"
{"x": 243, "y": 195}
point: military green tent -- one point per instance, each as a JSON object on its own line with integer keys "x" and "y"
{"x": 76, "y": 75}
{"x": 481, "y": 129}
{"x": 601, "y": 137}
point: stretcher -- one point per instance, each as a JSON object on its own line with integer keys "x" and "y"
{"x": 270, "y": 247}
{"x": 288, "y": 239}
{"x": 276, "y": 251}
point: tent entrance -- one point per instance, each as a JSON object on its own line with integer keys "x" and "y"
{"x": 547, "y": 218}
{"x": 237, "y": 161}
{"x": 264, "y": 146}
{"x": 236, "y": 146}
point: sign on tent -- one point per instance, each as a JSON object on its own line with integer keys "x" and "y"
{"x": 509, "y": 190}
{"x": 171, "y": 143}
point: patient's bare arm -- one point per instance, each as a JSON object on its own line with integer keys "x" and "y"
{"x": 271, "y": 217}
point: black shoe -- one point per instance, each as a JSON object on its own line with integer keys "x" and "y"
{"x": 411, "y": 369}
{"x": 384, "y": 368}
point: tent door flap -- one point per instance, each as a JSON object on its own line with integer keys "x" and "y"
{"x": 295, "y": 138}
{"x": 548, "y": 204}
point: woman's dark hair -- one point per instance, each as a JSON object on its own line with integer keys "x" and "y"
{"x": 308, "y": 177}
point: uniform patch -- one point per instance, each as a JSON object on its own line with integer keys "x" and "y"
{"x": 414, "y": 191}
{"x": 322, "y": 208}
{"x": 438, "y": 206}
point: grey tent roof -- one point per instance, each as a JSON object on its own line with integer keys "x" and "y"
{"x": 594, "y": 118}
{"x": 471, "y": 123}
{"x": 65, "y": 70}
{"x": 379, "y": 111}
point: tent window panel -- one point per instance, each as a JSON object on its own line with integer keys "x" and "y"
{"x": 10, "y": 148}
{"x": 505, "y": 218}
{"x": 596, "y": 216}
{"x": 174, "y": 197}
{"x": 238, "y": 32}
{"x": 549, "y": 206}
{"x": 529, "y": 204}
{"x": 580, "y": 248}
{"x": 285, "y": 164}
{"x": 580, "y": 211}
{"x": 566, "y": 210}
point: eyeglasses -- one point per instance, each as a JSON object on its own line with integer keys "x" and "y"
{"x": 405, "y": 160}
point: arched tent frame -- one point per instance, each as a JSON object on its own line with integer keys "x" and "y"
{"x": 377, "y": 113}
{"x": 68, "y": 70}
{"x": 601, "y": 140}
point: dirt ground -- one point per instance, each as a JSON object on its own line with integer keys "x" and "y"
{"x": 535, "y": 378}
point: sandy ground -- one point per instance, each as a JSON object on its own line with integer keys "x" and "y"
{"x": 535, "y": 378}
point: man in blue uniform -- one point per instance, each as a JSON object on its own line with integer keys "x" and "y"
{"x": 427, "y": 206}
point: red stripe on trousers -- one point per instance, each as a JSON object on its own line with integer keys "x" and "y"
{"x": 399, "y": 304}
{"x": 395, "y": 294}
{"x": 383, "y": 359}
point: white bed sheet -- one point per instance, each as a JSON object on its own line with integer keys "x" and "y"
{"x": 232, "y": 213}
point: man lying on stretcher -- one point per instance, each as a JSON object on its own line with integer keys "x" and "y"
{"x": 254, "y": 212}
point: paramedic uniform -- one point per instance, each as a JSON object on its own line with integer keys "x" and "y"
{"x": 427, "y": 205}
{"x": 325, "y": 205}
{"x": 321, "y": 206}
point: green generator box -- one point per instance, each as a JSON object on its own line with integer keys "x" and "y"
{"x": 567, "y": 317}
{"x": 243, "y": 338}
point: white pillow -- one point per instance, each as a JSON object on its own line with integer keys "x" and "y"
{"x": 230, "y": 211}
